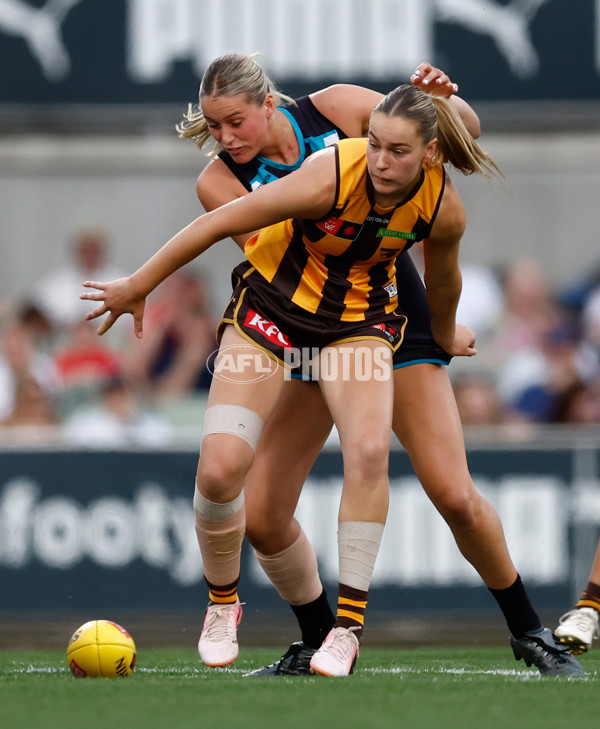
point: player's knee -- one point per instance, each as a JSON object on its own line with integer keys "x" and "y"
{"x": 367, "y": 458}
{"x": 221, "y": 468}
{"x": 259, "y": 533}
{"x": 229, "y": 439}
{"x": 264, "y": 533}
{"x": 265, "y": 524}
{"x": 461, "y": 509}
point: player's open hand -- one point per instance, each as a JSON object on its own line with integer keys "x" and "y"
{"x": 118, "y": 297}
{"x": 433, "y": 80}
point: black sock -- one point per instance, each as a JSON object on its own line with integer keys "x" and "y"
{"x": 518, "y": 612}
{"x": 316, "y": 619}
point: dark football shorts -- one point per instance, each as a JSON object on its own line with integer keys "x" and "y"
{"x": 287, "y": 332}
{"x": 418, "y": 344}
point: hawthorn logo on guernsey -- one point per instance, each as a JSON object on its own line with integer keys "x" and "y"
{"x": 331, "y": 225}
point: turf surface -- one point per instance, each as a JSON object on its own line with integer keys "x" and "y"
{"x": 427, "y": 688}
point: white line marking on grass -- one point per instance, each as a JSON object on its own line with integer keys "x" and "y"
{"x": 203, "y": 672}
{"x": 40, "y": 669}
{"x": 509, "y": 673}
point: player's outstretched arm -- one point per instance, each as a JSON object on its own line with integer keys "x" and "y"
{"x": 307, "y": 193}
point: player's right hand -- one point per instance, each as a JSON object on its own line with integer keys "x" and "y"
{"x": 118, "y": 297}
{"x": 433, "y": 80}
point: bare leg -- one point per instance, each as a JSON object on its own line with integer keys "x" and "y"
{"x": 427, "y": 424}
{"x": 595, "y": 573}
{"x": 236, "y": 410}
{"x": 425, "y": 413}
{"x": 290, "y": 443}
{"x": 362, "y": 411}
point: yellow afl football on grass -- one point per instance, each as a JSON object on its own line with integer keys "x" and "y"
{"x": 101, "y": 648}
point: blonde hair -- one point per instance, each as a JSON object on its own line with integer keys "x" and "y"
{"x": 436, "y": 117}
{"x": 228, "y": 75}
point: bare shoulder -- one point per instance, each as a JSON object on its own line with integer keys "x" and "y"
{"x": 217, "y": 185}
{"x": 321, "y": 169}
{"x": 348, "y": 106}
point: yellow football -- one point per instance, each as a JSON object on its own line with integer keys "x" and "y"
{"x": 101, "y": 648}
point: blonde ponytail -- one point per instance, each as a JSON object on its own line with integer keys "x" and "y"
{"x": 457, "y": 146}
{"x": 437, "y": 118}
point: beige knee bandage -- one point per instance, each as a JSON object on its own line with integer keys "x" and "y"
{"x": 220, "y": 529}
{"x": 233, "y": 420}
{"x": 294, "y": 572}
{"x": 358, "y": 544}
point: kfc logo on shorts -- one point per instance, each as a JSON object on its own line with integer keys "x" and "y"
{"x": 389, "y": 331}
{"x": 269, "y": 330}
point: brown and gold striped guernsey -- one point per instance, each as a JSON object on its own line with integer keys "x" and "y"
{"x": 343, "y": 266}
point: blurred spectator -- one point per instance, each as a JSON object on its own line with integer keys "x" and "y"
{"x": 576, "y": 294}
{"x": 116, "y": 420}
{"x": 558, "y": 372}
{"x": 530, "y": 310}
{"x": 477, "y": 400}
{"x": 589, "y": 351}
{"x": 85, "y": 362}
{"x": 21, "y": 363}
{"x": 578, "y": 404}
{"x": 38, "y": 324}
{"x": 57, "y": 292}
{"x": 32, "y": 409}
{"x": 481, "y": 302}
{"x": 530, "y": 314}
{"x": 179, "y": 335}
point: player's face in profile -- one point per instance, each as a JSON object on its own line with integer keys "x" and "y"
{"x": 395, "y": 155}
{"x": 240, "y": 126}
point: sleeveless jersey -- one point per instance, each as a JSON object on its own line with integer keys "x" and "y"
{"x": 313, "y": 132}
{"x": 343, "y": 266}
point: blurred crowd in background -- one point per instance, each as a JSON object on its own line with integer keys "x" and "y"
{"x": 112, "y": 390}
{"x": 538, "y": 355}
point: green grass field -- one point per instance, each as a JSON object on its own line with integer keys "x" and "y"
{"x": 444, "y": 688}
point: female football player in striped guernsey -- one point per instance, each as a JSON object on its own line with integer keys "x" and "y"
{"x": 265, "y": 136}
